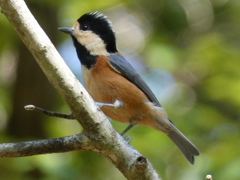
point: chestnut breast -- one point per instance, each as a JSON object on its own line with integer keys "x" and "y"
{"x": 106, "y": 85}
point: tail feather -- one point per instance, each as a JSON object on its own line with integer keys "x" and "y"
{"x": 188, "y": 149}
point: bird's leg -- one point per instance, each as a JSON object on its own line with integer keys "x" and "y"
{"x": 127, "y": 129}
{"x": 49, "y": 113}
{"x": 127, "y": 138}
{"x": 117, "y": 104}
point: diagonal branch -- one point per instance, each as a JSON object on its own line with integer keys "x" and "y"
{"x": 98, "y": 132}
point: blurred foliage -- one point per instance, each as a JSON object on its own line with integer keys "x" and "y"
{"x": 187, "y": 51}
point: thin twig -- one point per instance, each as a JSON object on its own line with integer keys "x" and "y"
{"x": 49, "y": 113}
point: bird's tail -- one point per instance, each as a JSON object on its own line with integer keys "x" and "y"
{"x": 188, "y": 149}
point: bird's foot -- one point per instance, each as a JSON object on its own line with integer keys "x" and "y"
{"x": 117, "y": 104}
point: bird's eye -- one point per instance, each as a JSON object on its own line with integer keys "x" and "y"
{"x": 84, "y": 27}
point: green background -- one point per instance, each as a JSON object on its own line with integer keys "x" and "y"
{"x": 186, "y": 50}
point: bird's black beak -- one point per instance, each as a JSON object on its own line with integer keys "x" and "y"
{"x": 67, "y": 30}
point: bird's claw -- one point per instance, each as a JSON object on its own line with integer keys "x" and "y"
{"x": 128, "y": 139}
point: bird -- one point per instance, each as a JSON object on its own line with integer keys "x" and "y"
{"x": 108, "y": 77}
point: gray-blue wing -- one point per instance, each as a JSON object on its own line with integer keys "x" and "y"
{"x": 121, "y": 66}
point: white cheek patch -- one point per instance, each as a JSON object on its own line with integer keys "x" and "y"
{"x": 93, "y": 43}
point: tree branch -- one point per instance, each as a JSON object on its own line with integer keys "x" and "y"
{"x": 98, "y": 132}
{"x": 29, "y": 148}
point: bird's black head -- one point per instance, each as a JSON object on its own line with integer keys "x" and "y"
{"x": 93, "y": 32}
{"x": 101, "y": 26}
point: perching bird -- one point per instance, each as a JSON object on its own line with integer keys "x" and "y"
{"x": 108, "y": 78}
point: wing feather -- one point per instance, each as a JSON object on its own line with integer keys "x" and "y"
{"x": 121, "y": 66}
